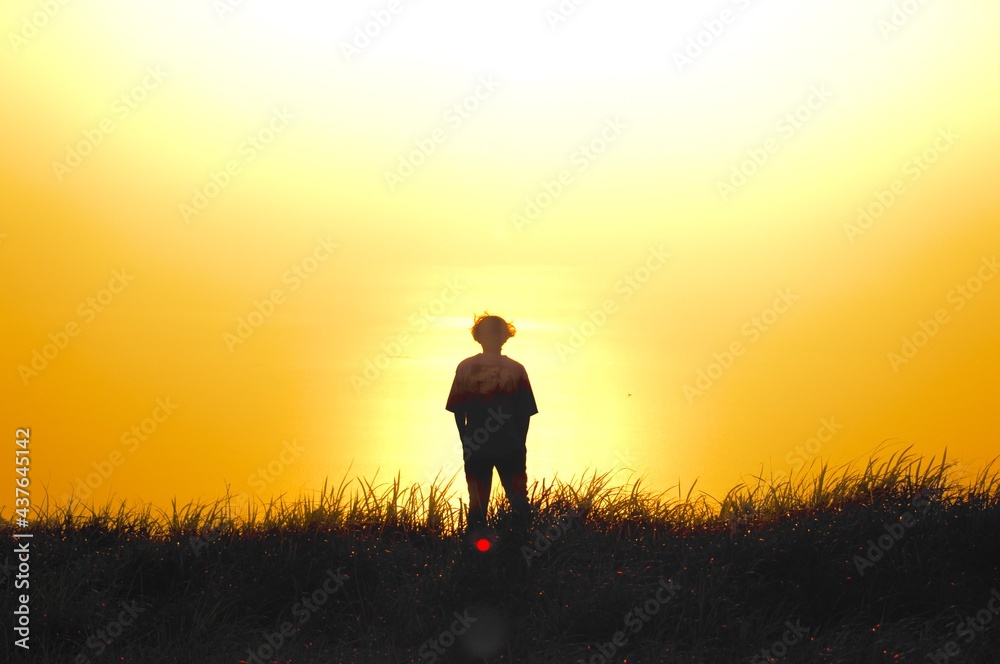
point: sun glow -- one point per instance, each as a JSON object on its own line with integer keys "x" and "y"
{"x": 521, "y": 158}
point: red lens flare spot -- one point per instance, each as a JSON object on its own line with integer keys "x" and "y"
{"x": 483, "y": 544}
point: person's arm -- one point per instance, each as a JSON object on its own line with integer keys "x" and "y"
{"x": 526, "y": 407}
{"x": 522, "y": 428}
{"x": 460, "y": 422}
{"x": 456, "y": 403}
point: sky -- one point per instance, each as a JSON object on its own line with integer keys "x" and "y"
{"x": 243, "y": 242}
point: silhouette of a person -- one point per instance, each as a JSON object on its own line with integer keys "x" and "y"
{"x": 493, "y": 404}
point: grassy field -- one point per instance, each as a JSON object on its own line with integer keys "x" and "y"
{"x": 894, "y": 560}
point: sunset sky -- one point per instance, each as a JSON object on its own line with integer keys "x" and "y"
{"x": 242, "y": 242}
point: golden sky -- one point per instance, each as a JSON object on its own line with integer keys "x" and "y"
{"x": 242, "y": 242}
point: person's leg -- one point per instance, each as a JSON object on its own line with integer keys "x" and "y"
{"x": 479, "y": 476}
{"x": 514, "y": 477}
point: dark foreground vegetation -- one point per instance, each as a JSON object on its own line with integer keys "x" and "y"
{"x": 892, "y": 561}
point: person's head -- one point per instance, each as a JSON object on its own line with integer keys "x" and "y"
{"x": 492, "y": 332}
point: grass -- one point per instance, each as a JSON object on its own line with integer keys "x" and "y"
{"x": 798, "y": 558}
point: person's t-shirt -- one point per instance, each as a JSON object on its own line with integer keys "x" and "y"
{"x": 496, "y": 396}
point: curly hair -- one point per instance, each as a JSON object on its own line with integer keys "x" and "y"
{"x": 486, "y": 321}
